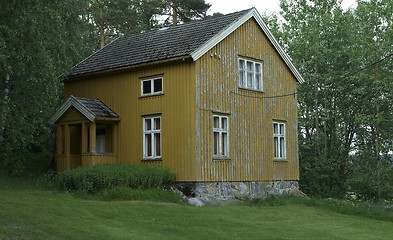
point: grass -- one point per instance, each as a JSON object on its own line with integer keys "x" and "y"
{"x": 30, "y": 212}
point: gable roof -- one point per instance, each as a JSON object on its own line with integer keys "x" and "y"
{"x": 92, "y": 109}
{"x": 192, "y": 39}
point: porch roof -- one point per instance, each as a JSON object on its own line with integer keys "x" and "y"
{"x": 92, "y": 109}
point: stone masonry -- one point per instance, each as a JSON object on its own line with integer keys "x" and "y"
{"x": 214, "y": 192}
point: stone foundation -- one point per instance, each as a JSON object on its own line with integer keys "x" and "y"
{"x": 212, "y": 192}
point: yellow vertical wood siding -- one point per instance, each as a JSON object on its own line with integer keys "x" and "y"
{"x": 251, "y": 113}
{"x": 193, "y": 93}
{"x": 121, "y": 91}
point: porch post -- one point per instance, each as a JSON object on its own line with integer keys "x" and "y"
{"x": 92, "y": 137}
{"x": 67, "y": 147}
{"x": 115, "y": 138}
{"x": 84, "y": 138}
{"x": 60, "y": 139}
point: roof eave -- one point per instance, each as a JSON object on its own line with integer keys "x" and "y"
{"x": 180, "y": 58}
{"x": 111, "y": 119}
{"x": 223, "y": 34}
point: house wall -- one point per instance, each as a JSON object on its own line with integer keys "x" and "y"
{"x": 121, "y": 91}
{"x": 251, "y": 113}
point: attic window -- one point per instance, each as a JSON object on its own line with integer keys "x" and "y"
{"x": 152, "y": 86}
{"x": 250, "y": 74}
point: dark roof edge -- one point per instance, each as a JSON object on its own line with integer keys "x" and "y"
{"x": 72, "y": 77}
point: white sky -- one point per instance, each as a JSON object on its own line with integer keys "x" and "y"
{"x": 228, "y": 6}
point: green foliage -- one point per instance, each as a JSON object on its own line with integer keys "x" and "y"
{"x": 97, "y": 178}
{"x": 39, "y": 41}
{"x": 363, "y": 181}
{"x": 346, "y": 102}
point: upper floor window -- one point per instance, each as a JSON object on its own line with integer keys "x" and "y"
{"x": 152, "y": 86}
{"x": 152, "y": 137}
{"x": 250, "y": 74}
{"x": 279, "y": 140}
{"x": 220, "y": 136}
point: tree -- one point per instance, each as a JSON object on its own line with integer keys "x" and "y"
{"x": 316, "y": 34}
{"x": 374, "y": 22}
{"x": 346, "y": 103}
{"x": 123, "y": 17}
{"x": 185, "y": 10}
{"x": 39, "y": 41}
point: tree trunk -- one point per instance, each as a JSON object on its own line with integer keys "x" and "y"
{"x": 102, "y": 32}
{"x": 174, "y": 14}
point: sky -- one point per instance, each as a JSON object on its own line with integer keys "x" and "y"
{"x": 228, "y": 6}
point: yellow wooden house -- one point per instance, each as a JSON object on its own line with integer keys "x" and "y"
{"x": 214, "y": 100}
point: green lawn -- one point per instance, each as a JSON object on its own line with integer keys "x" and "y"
{"x": 26, "y": 212}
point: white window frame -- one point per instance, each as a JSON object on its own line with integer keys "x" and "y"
{"x": 150, "y": 138}
{"x": 220, "y": 136}
{"x": 250, "y": 74}
{"x": 279, "y": 140}
{"x": 152, "y": 81}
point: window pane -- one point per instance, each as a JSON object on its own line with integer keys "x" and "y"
{"x": 216, "y": 123}
{"x": 148, "y": 145}
{"x": 250, "y": 77}
{"x": 157, "y": 123}
{"x": 282, "y": 129}
{"x": 242, "y": 72}
{"x": 224, "y": 124}
{"x": 158, "y": 85}
{"x": 242, "y": 65}
{"x": 275, "y": 126}
{"x": 146, "y": 86}
{"x": 250, "y": 74}
{"x": 157, "y": 139}
{"x": 224, "y": 138}
{"x": 250, "y": 66}
{"x": 275, "y": 147}
{"x": 147, "y": 124}
{"x": 282, "y": 147}
{"x": 258, "y": 81}
{"x": 258, "y": 68}
{"x": 216, "y": 146}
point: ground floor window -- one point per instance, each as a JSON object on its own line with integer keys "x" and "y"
{"x": 220, "y": 136}
{"x": 152, "y": 137}
{"x": 279, "y": 140}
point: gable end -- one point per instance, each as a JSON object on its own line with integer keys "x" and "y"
{"x": 231, "y": 28}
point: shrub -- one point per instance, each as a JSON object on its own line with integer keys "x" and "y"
{"x": 100, "y": 177}
{"x": 126, "y": 193}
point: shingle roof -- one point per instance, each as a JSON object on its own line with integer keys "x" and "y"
{"x": 155, "y": 45}
{"x": 193, "y": 40}
{"x": 92, "y": 109}
{"x": 97, "y": 107}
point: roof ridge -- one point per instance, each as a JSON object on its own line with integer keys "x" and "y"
{"x": 154, "y": 45}
{"x": 171, "y": 26}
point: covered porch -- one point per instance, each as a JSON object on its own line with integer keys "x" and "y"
{"x": 87, "y": 134}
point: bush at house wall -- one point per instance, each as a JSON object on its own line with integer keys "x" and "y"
{"x": 100, "y": 177}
